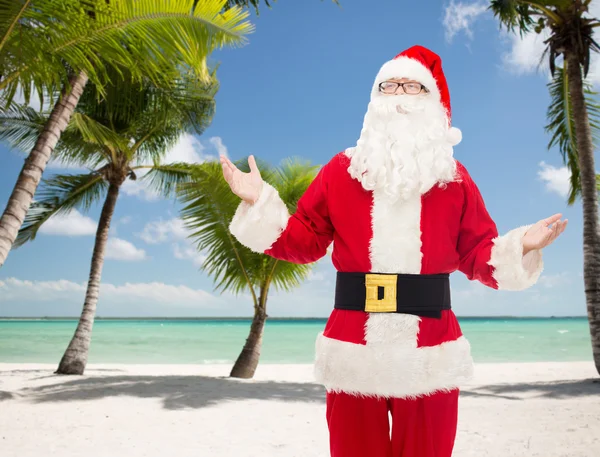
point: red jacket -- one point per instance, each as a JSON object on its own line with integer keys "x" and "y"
{"x": 446, "y": 229}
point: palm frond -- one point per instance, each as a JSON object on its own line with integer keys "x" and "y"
{"x": 186, "y": 98}
{"x": 151, "y": 38}
{"x": 248, "y": 3}
{"x": 153, "y": 144}
{"x": 513, "y": 14}
{"x": 561, "y": 125}
{"x": 59, "y": 195}
{"x": 94, "y": 132}
{"x": 134, "y": 122}
{"x": 292, "y": 178}
{"x": 10, "y": 14}
{"x": 166, "y": 179}
{"x": 209, "y": 208}
{"x": 72, "y": 150}
{"x": 21, "y": 126}
{"x": 287, "y": 276}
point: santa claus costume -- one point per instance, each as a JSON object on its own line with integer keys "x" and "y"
{"x": 402, "y": 214}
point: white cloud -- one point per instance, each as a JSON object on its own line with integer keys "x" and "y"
{"x": 139, "y": 189}
{"x": 460, "y": 17}
{"x": 525, "y": 54}
{"x": 188, "y": 149}
{"x": 12, "y": 289}
{"x": 43, "y": 290}
{"x": 555, "y": 280}
{"x": 217, "y": 142}
{"x": 118, "y": 249}
{"x": 114, "y": 225}
{"x": 555, "y": 179}
{"x": 189, "y": 252}
{"x": 316, "y": 276}
{"x": 173, "y": 231}
{"x": 473, "y": 289}
{"x": 161, "y": 231}
{"x": 192, "y": 150}
{"x": 158, "y": 292}
{"x": 71, "y": 224}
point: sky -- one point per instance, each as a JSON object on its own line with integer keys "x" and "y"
{"x": 300, "y": 88}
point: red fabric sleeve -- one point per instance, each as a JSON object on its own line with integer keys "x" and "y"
{"x": 309, "y": 231}
{"x": 476, "y": 235}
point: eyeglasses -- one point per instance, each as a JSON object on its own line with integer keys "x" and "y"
{"x": 391, "y": 87}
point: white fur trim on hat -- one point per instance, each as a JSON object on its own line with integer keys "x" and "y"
{"x": 405, "y": 67}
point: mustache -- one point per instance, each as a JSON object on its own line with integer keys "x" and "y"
{"x": 399, "y": 105}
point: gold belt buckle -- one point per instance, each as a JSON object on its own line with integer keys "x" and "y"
{"x": 388, "y": 303}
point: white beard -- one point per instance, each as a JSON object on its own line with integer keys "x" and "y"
{"x": 403, "y": 148}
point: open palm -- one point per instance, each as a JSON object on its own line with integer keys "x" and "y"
{"x": 247, "y": 186}
{"x": 544, "y": 232}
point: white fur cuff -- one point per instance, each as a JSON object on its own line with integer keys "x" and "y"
{"x": 390, "y": 370}
{"x": 258, "y": 226}
{"x": 512, "y": 270}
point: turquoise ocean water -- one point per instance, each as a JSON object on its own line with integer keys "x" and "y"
{"x": 285, "y": 341}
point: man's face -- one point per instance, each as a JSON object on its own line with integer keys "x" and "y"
{"x": 402, "y": 86}
{"x": 401, "y": 148}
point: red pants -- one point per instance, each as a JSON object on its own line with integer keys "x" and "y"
{"x": 424, "y": 427}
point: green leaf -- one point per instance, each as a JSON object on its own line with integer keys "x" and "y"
{"x": 94, "y": 132}
{"x": 209, "y": 208}
{"x": 513, "y": 15}
{"x": 150, "y": 38}
{"x": 561, "y": 125}
{"x": 60, "y": 195}
{"x": 165, "y": 179}
{"x": 21, "y": 126}
{"x": 134, "y": 123}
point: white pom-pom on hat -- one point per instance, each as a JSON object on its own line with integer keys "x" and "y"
{"x": 454, "y": 136}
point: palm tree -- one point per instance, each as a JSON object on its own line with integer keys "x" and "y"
{"x": 209, "y": 208}
{"x": 117, "y": 135}
{"x": 562, "y": 128}
{"x": 49, "y": 44}
{"x": 572, "y": 116}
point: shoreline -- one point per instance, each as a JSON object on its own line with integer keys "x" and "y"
{"x": 549, "y": 409}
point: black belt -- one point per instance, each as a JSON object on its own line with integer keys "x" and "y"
{"x": 421, "y": 295}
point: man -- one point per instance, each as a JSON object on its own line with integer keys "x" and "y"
{"x": 402, "y": 214}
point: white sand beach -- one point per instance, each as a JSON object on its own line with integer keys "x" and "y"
{"x": 535, "y": 409}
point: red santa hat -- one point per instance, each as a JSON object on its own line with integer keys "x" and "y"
{"x": 422, "y": 65}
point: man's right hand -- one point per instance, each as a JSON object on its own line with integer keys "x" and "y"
{"x": 247, "y": 186}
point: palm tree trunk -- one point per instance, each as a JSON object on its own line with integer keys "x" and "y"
{"x": 75, "y": 358}
{"x": 591, "y": 234}
{"x": 31, "y": 173}
{"x": 247, "y": 361}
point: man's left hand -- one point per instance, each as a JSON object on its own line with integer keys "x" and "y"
{"x": 543, "y": 233}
